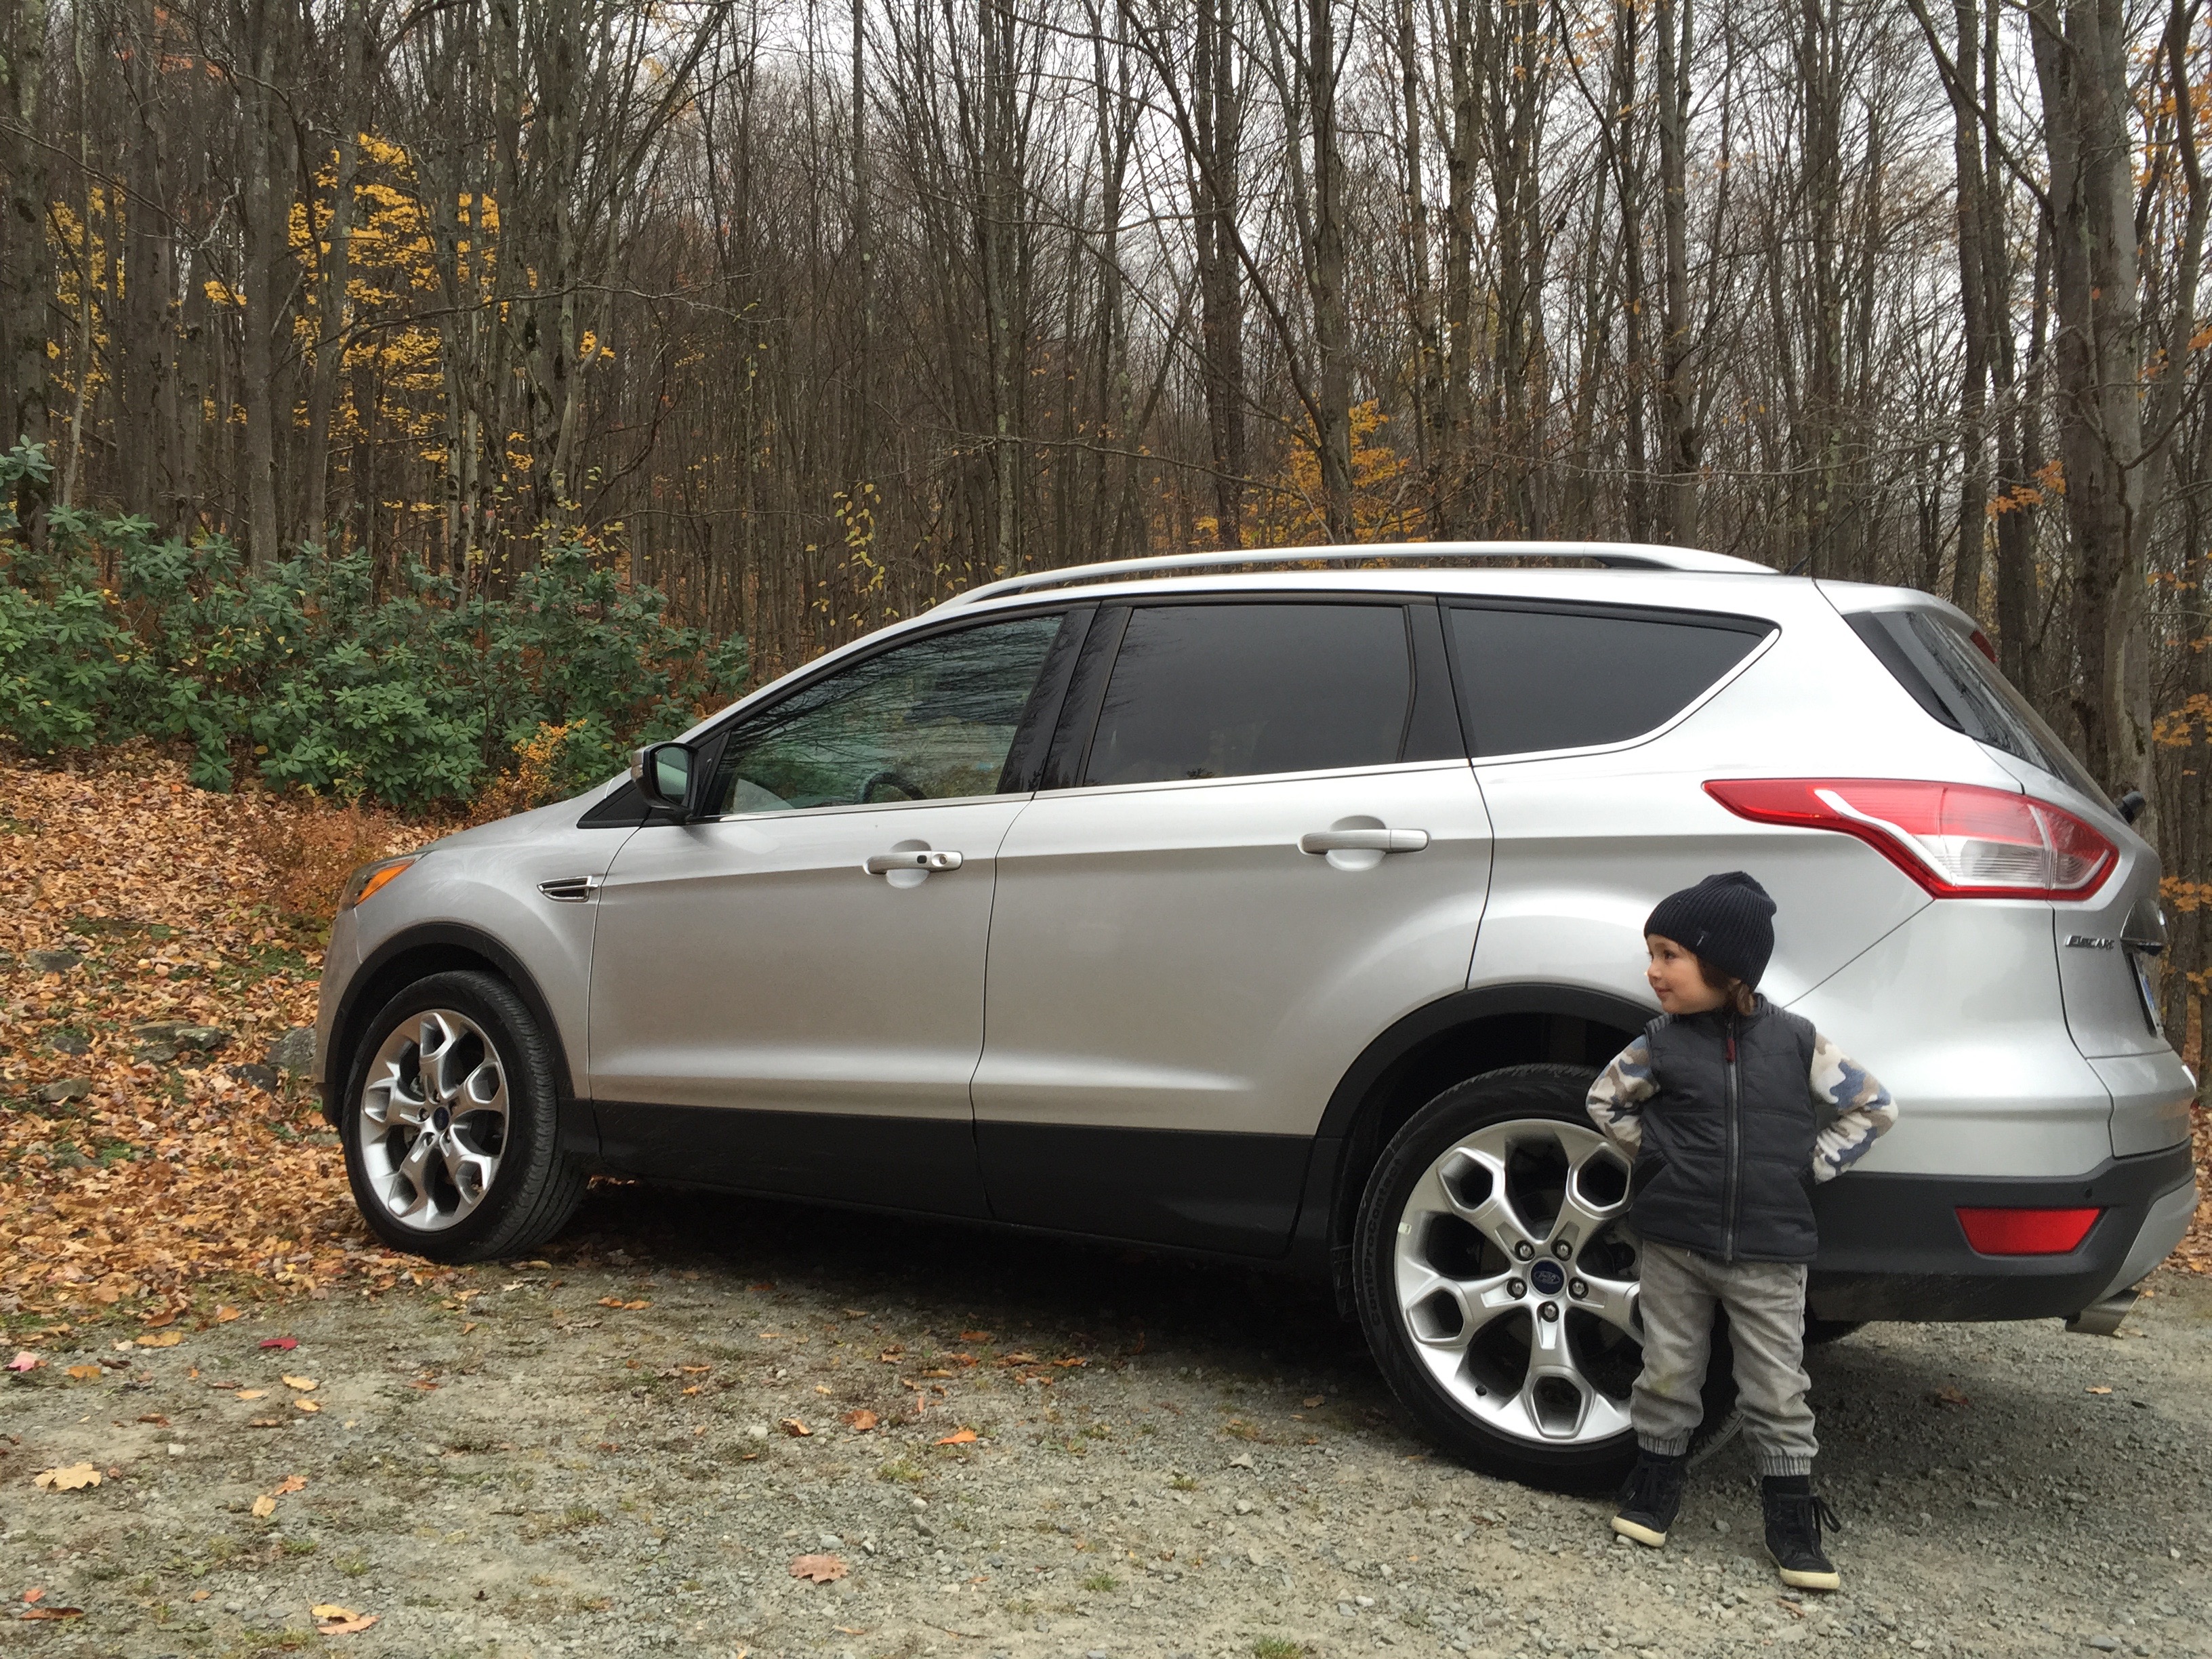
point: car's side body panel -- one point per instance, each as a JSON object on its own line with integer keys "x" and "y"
{"x": 1164, "y": 960}
{"x": 754, "y": 963}
{"x": 1957, "y": 1012}
{"x": 477, "y": 894}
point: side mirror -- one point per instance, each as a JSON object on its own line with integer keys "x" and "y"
{"x": 2131, "y": 805}
{"x": 662, "y": 772}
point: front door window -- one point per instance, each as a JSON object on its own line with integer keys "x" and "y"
{"x": 933, "y": 721}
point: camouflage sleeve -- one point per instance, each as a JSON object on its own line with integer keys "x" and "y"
{"x": 1616, "y": 1099}
{"x": 1862, "y": 1107}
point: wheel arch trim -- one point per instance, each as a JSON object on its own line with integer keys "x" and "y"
{"x": 454, "y": 942}
{"x": 1440, "y": 1017}
{"x": 1321, "y": 1242}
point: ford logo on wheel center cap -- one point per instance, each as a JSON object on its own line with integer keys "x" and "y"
{"x": 1548, "y": 1277}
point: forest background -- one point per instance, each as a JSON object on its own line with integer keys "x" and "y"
{"x": 410, "y": 398}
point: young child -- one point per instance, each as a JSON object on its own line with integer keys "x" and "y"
{"x": 1732, "y": 1110}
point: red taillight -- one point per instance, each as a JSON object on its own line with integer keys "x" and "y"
{"x": 1982, "y": 644}
{"x": 1956, "y": 840}
{"x": 2026, "y": 1233}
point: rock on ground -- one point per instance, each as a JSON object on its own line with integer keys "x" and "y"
{"x": 293, "y": 1052}
{"x": 600, "y": 1453}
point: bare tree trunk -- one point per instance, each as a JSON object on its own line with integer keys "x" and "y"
{"x": 861, "y": 406}
{"x": 146, "y": 431}
{"x": 265, "y": 218}
{"x": 81, "y": 400}
{"x": 1331, "y": 327}
{"x": 1216, "y": 103}
{"x": 333, "y": 312}
{"x": 1622, "y": 101}
{"x": 27, "y": 273}
{"x": 2016, "y": 572}
{"x": 1426, "y": 381}
{"x": 2016, "y": 575}
{"x": 1977, "y": 327}
{"x": 1448, "y": 469}
{"x": 2081, "y": 65}
{"x": 1001, "y": 207}
{"x": 1678, "y": 409}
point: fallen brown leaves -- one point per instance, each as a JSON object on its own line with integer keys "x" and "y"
{"x": 2196, "y": 1250}
{"x": 128, "y": 1178}
{"x": 819, "y": 1568}
{"x": 265, "y": 1506}
{"x": 337, "y": 1620}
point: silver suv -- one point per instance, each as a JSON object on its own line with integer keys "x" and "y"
{"x": 1283, "y": 915}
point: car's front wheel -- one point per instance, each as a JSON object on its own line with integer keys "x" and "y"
{"x": 1496, "y": 1279}
{"x": 451, "y": 1124}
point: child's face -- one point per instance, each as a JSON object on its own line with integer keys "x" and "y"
{"x": 1676, "y": 980}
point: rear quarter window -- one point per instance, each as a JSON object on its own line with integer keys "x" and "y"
{"x": 1934, "y": 660}
{"x": 1533, "y": 679}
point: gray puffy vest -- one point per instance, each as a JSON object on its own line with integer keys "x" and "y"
{"x": 1726, "y": 1165}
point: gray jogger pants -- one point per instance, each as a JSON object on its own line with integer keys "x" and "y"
{"x": 1765, "y": 1304}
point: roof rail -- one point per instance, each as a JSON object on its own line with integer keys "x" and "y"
{"x": 1622, "y": 555}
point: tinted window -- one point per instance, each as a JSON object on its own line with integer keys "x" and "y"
{"x": 926, "y": 721}
{"x": 1531, "y": 680}
{"x": 1228, "y": 690}
{"x": 1946, "y": 672}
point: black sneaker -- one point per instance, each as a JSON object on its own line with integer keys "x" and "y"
{"x": 1649, "y": 1497}
{"x": 1794, "y": 1515}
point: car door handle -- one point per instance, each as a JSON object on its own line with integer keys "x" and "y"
{"x": 1363, "y": 841}
{"x": 882, "y": 864}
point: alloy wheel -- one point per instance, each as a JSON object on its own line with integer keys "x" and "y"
{"x": 1515, "y": 1276}
{"x": 432, "y": 1120}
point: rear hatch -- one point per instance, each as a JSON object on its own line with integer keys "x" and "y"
{"x": 2109, "y": 945}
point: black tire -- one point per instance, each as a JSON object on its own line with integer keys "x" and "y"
{"x": 536, "y": 1184}
{"x": 1532, "y": 1094}
{"x": 1818, "y": 1333}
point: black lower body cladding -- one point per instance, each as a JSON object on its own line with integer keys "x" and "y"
{"x": 1891, "y": 1247}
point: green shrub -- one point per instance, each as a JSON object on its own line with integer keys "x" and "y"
{"x": 304, "y": 673}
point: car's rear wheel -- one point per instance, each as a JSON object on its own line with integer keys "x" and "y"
{"x": 452, "y": 1125}
{"x": 1496, "y": 1278}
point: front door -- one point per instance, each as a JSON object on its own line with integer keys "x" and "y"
{"x": 1272, "y": 849}
{"x": 789, "y": 997}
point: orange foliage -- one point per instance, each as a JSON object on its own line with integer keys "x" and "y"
{"x": 1287, "y": 512}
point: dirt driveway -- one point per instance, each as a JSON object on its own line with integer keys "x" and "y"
{"x": 1072, "y": 1452}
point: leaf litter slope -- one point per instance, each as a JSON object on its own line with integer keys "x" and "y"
{"x": 132, "y": 1177}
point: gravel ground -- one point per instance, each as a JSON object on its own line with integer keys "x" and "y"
{"x": 504, "y": 1464}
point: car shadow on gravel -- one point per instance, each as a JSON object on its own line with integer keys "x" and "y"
{"x": 1110, "y": 1297}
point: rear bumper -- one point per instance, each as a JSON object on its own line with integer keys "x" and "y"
{"x": 1891, "y": 1248}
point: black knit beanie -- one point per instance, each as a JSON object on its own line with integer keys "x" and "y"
{"x": 1726, "y": 920}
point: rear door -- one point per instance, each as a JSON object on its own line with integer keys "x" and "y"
{"x": 1200, "y": 921}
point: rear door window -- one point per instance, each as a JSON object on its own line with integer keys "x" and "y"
{"x": 1233, "y": 690}
{"x": 1534, "y": 679}
{"x": 1947, "y": 675}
